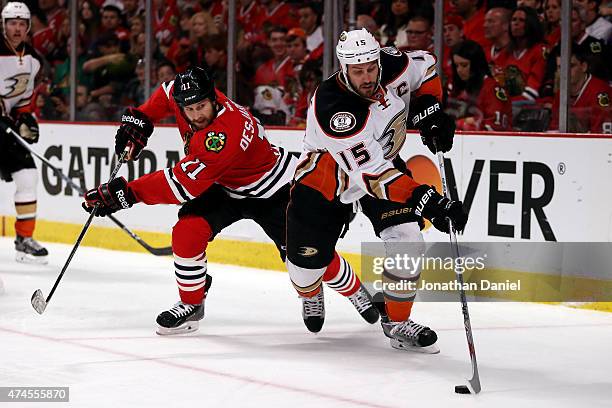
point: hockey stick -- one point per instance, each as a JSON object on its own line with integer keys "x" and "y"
{"x": 155, "y": 251}
{"x": 473, "y": 385}
{"x": 39, "y": 303}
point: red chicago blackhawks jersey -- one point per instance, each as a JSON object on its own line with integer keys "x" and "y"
{"x": 18, "y": 72}
{"x": 351, "y": 141}
{"x": 490, "y": 110}
{"x": 523, "y": 71}
{"x": 232, "y": 152}
{"x": 590, "y": 109}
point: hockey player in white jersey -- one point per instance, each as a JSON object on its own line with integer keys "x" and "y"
{"x": 356, "y": 126}
{"x": 19, "y": 65}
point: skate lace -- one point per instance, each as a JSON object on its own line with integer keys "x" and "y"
{"x": 360, "y": 300}
{"x": 32, "y": 243}
{"x": 181, "y": 309}
{"x": 409, "y": 329}
{"x": 313, "y": 306}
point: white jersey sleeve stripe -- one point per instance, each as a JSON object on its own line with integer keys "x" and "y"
{"x": 166, "y": 87}
{"x": 173, "y": 187}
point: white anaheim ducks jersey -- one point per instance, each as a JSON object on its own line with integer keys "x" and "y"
{"x": 351, "y": 141}
{"x": 17, "y": 75}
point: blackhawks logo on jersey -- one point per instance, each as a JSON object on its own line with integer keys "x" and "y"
{"x": 215, "y": 142}
{"x": 603, "y": 99}
{"x": 500, "y": 93}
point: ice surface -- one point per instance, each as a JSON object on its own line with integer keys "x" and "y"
{"x": 97, "y": 336}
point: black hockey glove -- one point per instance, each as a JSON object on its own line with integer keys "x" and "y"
{"x": 27, "y": 127}
{"x": 5, "y": 124}
{"x": 134, "y": 132}
{"x": 427, "y": 203}
{"x": 112, "y": 196}
{"x": 436, "y": 127}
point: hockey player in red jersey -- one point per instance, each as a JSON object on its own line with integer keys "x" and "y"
{"x": 19, "y": 65}
{"x": 230, "y": 172}
{"x": 356, "y": 126}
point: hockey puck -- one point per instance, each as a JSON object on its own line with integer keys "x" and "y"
{"x": 462, "y": 389}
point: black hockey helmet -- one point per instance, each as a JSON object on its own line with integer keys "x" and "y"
{"x": 193, "y": 86}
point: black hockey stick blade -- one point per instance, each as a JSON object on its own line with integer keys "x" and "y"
{"x": 155, "y": 251}
{"x": 38, "y": 301}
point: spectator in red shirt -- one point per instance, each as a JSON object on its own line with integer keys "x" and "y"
{"x": 55, "y": 14}
{"x": 111, "y": 23}
{"x": 497, "y": 31}
{"x": 524, "y": 61}
{"x": 276, "y": 70}
{"x": 476, "y": 99}
{"x": 453, "y": 35}
{"x": 590, "y": 98}
{"x": 552, "y": 17}
{"x": 165, "y": 21}
{"x": 310, "y": 22}
{"x": 279, "y": 13}
{"x": 473, "y": 13}
{"x": 251, "y": 17}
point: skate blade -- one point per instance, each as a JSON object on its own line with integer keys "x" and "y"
{"x": 30, "y": 259}
{"x": 398, "y": 345}
{"x": 187, "y": 327}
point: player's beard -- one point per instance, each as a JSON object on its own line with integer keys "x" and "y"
{"x": 205, "y": 121}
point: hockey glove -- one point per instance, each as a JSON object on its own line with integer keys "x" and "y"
{"x": 134, "y": 132}
{"x": 27, "y": 127}
{"x": 436, "y": 127}
{"x": 112, "y": 196}
{"x": 7, "y": 123}
{"x": 426, "y": 202}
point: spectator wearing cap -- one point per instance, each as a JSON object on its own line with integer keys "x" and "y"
{"x": 279, "y": 13}
{"x": 552, "y": 17}
{"x": 419, "y": 34}
{"x": 453, "y": 35}
{"x": 596, "y": 25}
{"x": 476, "y": 100}
{"x": 277, "y": 69}
{"x": 215, "y": 55}
{"x": 473, "y": 14}
{"x": 589, "y": 98}
{"x": 393, "y": 31}
{"x": 296, "y": 48}
{"x": 310, "y": 22}
{"x": 497, "y": 32}
{"x": 524, "y": 61}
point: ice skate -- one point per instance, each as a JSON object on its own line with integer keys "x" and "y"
{"x": 363, "y": 303}
{"x": 181, "y": 318}
{"x": 313, "y": 311}
{"x": 410, "y": 336}
{"x": 28, "y": 250}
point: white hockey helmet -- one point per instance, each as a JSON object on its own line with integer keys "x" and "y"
{"x": 15, "y": 9}
{"x": 357, "y": 47}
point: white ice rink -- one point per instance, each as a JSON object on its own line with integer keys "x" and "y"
{"x": 97, "y": 336}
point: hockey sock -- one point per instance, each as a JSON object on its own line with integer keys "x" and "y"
{"x": 339, "y": 276}
{"x": 190, "y": 237}
{"x": 398, "y": 311}
{"x": 26, "y": 218}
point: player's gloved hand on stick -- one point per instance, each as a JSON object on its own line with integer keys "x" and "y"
{"x": 112, "y": 196}
{"x": 134, "y": 132}
{"x": 436, "y": 127}
{"x": 27, "y": 127}
{"x": 427, "y": 203}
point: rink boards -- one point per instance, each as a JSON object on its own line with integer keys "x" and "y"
{"x": 518, "y": 187}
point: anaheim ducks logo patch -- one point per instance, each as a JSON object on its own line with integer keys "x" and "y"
{"x": 16, "y": 85}
{"x": 307, "y": 251}
{"x": 215, "y": 142}
{"x": 500, "y": 93}
{"x": 342, "y": 122}
{"x": 603, "y": 99}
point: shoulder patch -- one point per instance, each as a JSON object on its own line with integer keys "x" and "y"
{"x": 595, "y": 47}
{"x": 339, "y": 112}
{"x": 603, "y": 99}
{"x": 500, "y": 93}
{"x": 393, "y": 62}
{"x": 215, "y": 141}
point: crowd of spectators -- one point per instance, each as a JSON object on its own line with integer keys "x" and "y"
{"x": 500, "y": 63}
